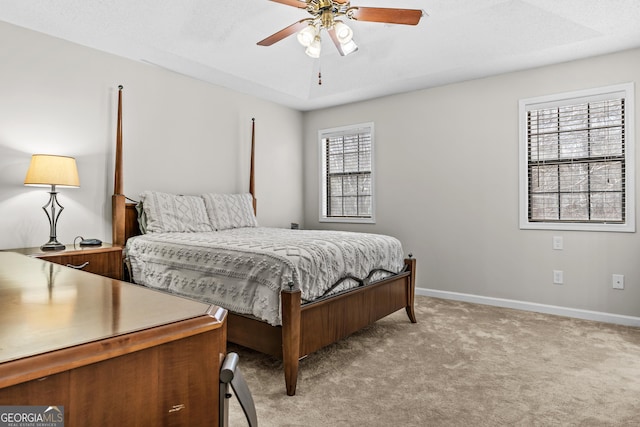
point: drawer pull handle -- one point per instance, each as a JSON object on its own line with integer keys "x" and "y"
{"x": 177, "y": 408}
{"x": 78, "y": 267}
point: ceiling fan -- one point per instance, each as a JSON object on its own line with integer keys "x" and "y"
{"x": 329, "y": 15}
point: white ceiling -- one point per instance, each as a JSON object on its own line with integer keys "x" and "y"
{"x": 215, "y": 41}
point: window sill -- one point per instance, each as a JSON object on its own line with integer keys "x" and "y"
{"x": 348, "y": 220}
{"x": 613, "y": 228}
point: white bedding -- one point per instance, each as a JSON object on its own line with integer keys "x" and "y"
{"x": 244, "y": 269}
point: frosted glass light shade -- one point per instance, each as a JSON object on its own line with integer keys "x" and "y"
{"x": 349, "y": 47}
{"x": 343, "y": 32}
{"x": 314, "y": 48}
{"x": 306, "y": 35}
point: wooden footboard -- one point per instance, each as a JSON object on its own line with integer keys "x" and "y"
{"x": 310, "y": 327}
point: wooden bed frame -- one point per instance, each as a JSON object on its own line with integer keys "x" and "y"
{"x": 305, "y": 327}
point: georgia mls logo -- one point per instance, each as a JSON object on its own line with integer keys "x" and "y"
{"x": 31, "y": 416}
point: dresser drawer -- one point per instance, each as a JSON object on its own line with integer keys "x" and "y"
{"x": 104, "y": 263}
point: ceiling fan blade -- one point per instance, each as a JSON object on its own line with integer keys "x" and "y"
{"x": 285, "y": 32}
{"x": 343, "y": 49}
{"x": 388, "y": 15}
{"x": 294, "y": 3}
{"x": 334, "y": 37}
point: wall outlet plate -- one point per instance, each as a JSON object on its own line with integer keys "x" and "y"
{"x": 558, "y": 243}
{"x": 558, "y": 277}
{"x": 617, "y": 281}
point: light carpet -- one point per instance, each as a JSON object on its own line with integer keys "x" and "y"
{"x": 462, "y": 364}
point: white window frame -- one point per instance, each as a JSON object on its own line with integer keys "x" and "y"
{"x": 625, "y": 91}
{"x": 322, "y": 134}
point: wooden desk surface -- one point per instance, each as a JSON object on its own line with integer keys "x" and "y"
{"x": 46, "y": 307}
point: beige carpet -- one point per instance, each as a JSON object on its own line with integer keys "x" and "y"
{"x": 461, "y": 365}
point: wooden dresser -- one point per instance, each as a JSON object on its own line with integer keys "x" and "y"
{"x": 111, "y": 353}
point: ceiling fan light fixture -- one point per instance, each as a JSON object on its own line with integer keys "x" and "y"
{"x": 330, "y": 15}
{"x": 343, "y": 32}
{"x": 307, "y": 35}
{"x": 313, "y": 50}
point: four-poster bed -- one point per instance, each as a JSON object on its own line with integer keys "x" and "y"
{"x": 303, "y": 326}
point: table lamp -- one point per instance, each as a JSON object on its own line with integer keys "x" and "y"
{"x": 55, "y": 171}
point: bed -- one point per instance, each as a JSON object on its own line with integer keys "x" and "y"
{"x": 301, "y": 305}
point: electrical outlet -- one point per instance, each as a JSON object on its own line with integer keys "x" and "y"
{"x": 617, "y": 280}
{"x": 558, "y": 277}
{"x": 558, "y": 243}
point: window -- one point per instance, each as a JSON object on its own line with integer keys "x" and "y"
{"x": 577, "y": 161}
{"x": 346, "y": 156}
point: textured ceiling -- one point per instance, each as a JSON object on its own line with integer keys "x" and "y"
{"x": 215, "y": 41}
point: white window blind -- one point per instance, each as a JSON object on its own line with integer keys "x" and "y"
{"x": 577, "y": 161}
{"x": 347, "y": 173}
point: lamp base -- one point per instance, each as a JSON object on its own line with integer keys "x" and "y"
{"x": 52, "y": 245}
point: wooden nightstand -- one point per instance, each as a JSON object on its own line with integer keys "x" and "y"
{"x": 105, "y": 260}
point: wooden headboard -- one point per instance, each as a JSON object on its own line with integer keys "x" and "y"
{"x": 124, "y": 215}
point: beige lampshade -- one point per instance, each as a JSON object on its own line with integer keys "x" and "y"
{"x": 46, "y": 169}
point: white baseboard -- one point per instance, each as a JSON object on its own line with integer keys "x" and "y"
{"x": 532, "y": 306}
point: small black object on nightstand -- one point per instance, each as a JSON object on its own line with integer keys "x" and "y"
{"x": 91, "y": 242}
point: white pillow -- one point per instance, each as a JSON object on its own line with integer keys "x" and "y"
{"x": 230, "y": 210}
{"x": 170, "y": 213}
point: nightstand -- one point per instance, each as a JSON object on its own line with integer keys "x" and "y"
{"x": 105, "y": 260}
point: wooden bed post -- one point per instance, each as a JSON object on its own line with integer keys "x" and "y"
{"x": 410, "y": 263}
{"x": 118, "y": 200}
{"x": 291, "y": 303}
{"x": 252, "y": 172}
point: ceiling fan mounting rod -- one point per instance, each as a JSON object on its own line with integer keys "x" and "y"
{"x": 318, "y": 7}
{"x": 327, "y": 20}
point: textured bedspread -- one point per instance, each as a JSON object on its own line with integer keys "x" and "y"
{"x": 244, "y": 269}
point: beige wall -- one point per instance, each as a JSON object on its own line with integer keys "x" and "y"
{"x": 446, "y": 164}
{"x": 447, "y": 186}
{"x": 180, "y": 135}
